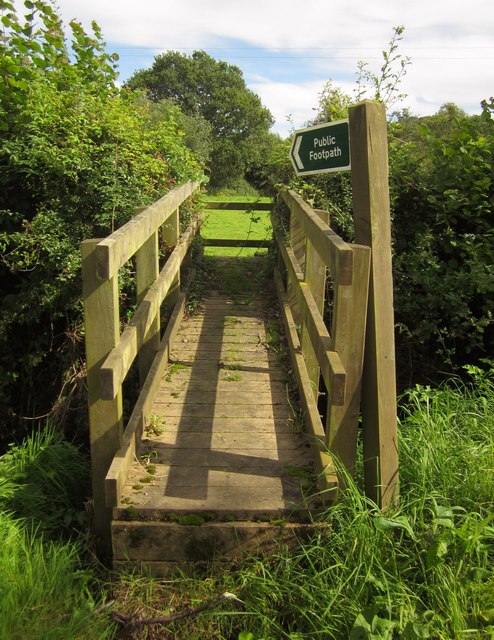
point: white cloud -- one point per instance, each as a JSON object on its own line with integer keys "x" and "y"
{"x": 290, "y": 103}
{"x": 327, "y": 38}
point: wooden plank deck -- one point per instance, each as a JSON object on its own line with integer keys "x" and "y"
{"x": 223, "y": 441}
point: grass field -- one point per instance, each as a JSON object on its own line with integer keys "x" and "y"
{"x": 236, "y": 225}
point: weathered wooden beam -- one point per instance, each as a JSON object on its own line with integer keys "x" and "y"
{"x": 239, "y": 206}
{"x": 114, "y": 251}
{"x": 315, "y": 276}
{"x": 369, "y": 157}
{"x": 116, "y": 366}
{"x": 121, "y": 462}
{"x": 328, "y": 481}
{"x": 334, "y": 251}
{"x": 348, "y": 338}
{"x": 147, "y": 270}
{"x": 332, "y": 370}
{"x": 105, "y": 416}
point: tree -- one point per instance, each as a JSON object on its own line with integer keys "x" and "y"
{"x": 215, "y": 90}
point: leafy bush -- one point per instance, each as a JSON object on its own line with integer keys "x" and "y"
{"x": 76, "y": 158}
{"x": 442, "y": 194}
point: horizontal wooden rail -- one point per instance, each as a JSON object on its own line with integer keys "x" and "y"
{"x": 239, "y": 206}
{"x": 120, "y": 359}
{"x": 332, "y": 249}
{"x": 333, "y": 353}
{"x": 332, "y": 370}
{"x": 113, "y": 252}
{"x": 230, "y": 242}
{"x": 324, "y": 465}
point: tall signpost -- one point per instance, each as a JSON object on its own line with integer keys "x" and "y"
{"x": 360, "y": 144}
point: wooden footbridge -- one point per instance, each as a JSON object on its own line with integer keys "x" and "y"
{"x": 217, "y": 455}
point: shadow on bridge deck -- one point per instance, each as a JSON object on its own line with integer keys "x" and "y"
{"x": 222, "y": 448}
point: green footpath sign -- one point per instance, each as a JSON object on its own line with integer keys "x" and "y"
{"x": 323, "y": 148}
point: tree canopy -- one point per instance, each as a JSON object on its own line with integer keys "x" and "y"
{"x": 215, "y": 91}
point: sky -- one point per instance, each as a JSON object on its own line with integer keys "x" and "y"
{"x": 288, "y": 49}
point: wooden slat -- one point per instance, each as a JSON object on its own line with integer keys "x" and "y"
{"x": 348, "y": 335}
{"x": 336, "y": 253}
{"x": 147, "y": 269}
{"x": 119, "y": 361}
{"x": 331, "y": 368}
{"x": 113, "y": 252}
{"x": 315, "y": 276}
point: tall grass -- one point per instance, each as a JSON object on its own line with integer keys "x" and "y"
{"x": 45, "y": 593}
{"x": 44, "y": 481}
{"x": 423, "y": 571}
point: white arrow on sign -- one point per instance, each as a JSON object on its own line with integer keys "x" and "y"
{"x": 296, "y": 156}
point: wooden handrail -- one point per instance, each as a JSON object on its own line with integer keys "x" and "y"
{"x": 109, "y": 354}
{"x": 117, "y": 365}
{"x": 113, "y": 252}
{"x": 334, "y": 251}
{"x": 329, "y": 361}
{"x": 335, "y": 353}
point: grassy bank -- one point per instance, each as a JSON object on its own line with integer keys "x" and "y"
{"x": 425, "y": 571}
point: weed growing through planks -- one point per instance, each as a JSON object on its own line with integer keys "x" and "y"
{"x": 234, "y": 355}
{"x": 156, "y": 425}
{"x": 232, "y": 376}
{"x": 230, "y": 367}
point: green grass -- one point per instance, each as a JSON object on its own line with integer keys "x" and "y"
{"x": 45, "y": 591}
{"x": 422, "y": 571}
{"x": 237, "y": 225}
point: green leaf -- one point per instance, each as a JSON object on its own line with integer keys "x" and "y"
{"x": 398, "y": 522}
{"x": 416, "y": 631}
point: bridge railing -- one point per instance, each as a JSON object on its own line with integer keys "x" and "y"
{"x": 335, "y": 353}
{"x": 109, "y": 353}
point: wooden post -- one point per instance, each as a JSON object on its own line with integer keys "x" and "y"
{"x": 297, "y": 243}
{"x": 171, "y": 234}
{"x": 147, "y": 269}
{"x": 369, "y": 160}
{"x": 347, "y": 339}
{"x": 315, "y": 276}
{"x": 105, "y": 416}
